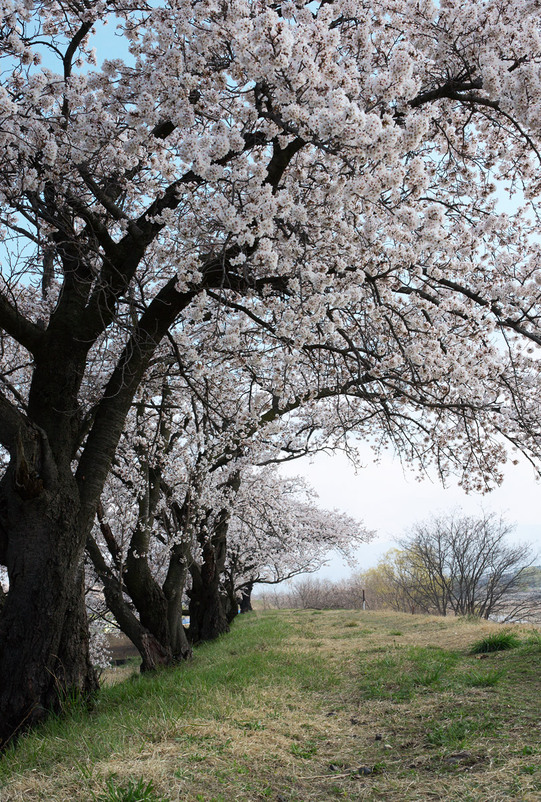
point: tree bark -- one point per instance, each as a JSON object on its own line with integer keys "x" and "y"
{"x": 230, "y": 604}
{"x": 207, "y": 616}
{"x": 149, "y": 600}
{"x": 173, "y": 588}
{"x": 44, "y": 654}
{"x": 158, "y": 633}
{"x": 246, "y": 598}
{"x": 208, "y": 619}
{"x": 153, "y": 653}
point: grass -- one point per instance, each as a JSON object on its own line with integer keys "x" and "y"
{"x": 132, "y": 791}
{"x": 299, "y": 707}
{"x": 495, "y": 642}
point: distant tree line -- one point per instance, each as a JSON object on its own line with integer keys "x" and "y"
{"x": 447, "y": 565}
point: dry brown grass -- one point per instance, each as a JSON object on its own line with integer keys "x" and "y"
{"x": 294, "y": 717}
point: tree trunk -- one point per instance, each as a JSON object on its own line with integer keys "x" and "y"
{"x": 150, "y": 602}
{"x": 208, "y": 619}
{"x": 229, "y": 598}
{"x": 207, "y": 616}
{"x": 44, "y": 654}
{"x": 153, "y": 650}
{"x": 158, "y": 632}
{"x": 153, "y": 653}
{"x": 173, "y": 589}
{"x": 230, "y": 606}
{"x": 246, "y": 598}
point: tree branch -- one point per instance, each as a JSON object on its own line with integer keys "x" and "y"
{"x": 118, "y": 395}
{"x": 11, "y": 423}
{"x": 19, "y": 327}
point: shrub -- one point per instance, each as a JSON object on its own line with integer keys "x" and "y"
{"x": 498, "y": 642}
{"x": 132, "y": 792}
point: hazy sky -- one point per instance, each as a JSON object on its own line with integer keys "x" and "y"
{"x": 389, "y": 500}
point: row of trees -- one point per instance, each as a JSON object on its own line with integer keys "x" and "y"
{"x": 147, "y": 552}
{"x": 267, "y": 228}
{"x": 454, "y": 564}
{"x": 275, "y": 531}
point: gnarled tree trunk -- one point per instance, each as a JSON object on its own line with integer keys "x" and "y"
{"x": 157, "y": 632}
{"x": 208, "y": 618}
{"x": 44, "y": 654}
{"x": 207, "y": 615}
{"x": 246, "y": 598}
{"x": 173, "y": 588}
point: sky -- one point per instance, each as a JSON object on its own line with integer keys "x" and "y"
{"x": 389, "y": 499}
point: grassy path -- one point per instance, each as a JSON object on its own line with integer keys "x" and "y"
{"x": 305, "y": 705}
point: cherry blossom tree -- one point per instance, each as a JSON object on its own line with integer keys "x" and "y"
{"x": 140, "y": 545}
{"x": 277, "y": 532}
{"x": 173, "y": 494}
{"x": 328, "y": 171}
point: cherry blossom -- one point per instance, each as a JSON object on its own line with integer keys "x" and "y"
{"x": 307, "y": 193}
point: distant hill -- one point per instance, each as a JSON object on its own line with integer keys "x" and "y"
{"x": 531, "y": 578}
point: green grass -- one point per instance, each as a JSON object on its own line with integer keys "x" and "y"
{"x": 404, "y": 672}
{"x": 496, "y": 642}
{"x": 301, "y": 707}
{"x": 454, "y": 734}
{"x": 134, "y": 708}
{"x": 484, "y": 679}
{"x": 132, "y": 791}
